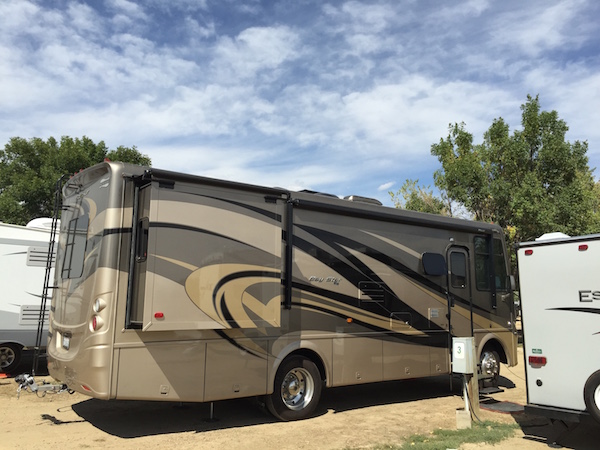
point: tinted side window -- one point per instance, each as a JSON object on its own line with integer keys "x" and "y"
{"x": 483, "y": 261}
{"x": 458, "y": 266}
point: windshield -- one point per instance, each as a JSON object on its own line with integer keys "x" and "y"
{"x": 85, "y": 201}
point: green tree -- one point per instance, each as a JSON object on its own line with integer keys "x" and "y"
{"x": 129, "y": 155}
{"x": 530, "y": 182}
{"x": 30, "y": 168}
{"x": 413, "y": 197}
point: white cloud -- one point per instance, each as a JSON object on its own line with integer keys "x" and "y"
{"x": 83, "y": 18}
{"x": 128, "y": 8}
{"x": 347, "y": 98}
{"x": 197, "y": 31}
{"x": 252, "y": 51}
{"x": 188, "y": 6}
{"x": 449, "y": 12}
{"x": 386, "y": 186}
{"x": 361, "y": 17}
{"x": 541, "y": 27}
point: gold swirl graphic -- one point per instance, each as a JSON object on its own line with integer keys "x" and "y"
{"x": 237, "y": 295}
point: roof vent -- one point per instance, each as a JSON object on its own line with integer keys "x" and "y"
{"x": 40, "y": 222}
{"x": 358, "y": 198}
{"x": 324, "y": 194}
{"x": 554, "y": 235}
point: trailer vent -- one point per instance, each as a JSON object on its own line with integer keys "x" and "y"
{"x": 369, "y": 291}
{"x": 323, "y": 194}
{"x": 30, "y": 315}
{"x": 37, "y": 256}
{"x": 358, "y": 198}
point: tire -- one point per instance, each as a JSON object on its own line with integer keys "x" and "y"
{"x": 297, "y": 389}
{"x": 591, "y": 395}
{"x": 490, "y": 367}
{"x": 10, "y": 357}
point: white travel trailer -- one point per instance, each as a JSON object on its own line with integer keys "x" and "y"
{"x": 560, "y": 301}
{"x": 23, "y": 256}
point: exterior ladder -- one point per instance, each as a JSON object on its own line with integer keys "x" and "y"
{"x": 49, "y": 263}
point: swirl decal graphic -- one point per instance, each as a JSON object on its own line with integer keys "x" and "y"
{"x": 246, "y": 296}
{"x": 582, "y": 310}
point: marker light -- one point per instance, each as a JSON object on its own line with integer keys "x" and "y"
{"x": 159, "y": 315}
{"x": 99, "y": 305}
{"x": 528, "y": 252}
{"x": 97, "y": 323}
{"x": 583, "y": 247}
{"x": 537, "y": 361}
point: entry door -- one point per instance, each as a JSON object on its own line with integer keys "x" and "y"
{"x": 459, "y": 288}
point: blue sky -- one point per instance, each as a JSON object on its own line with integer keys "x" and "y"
{"x": 344, "y": 97}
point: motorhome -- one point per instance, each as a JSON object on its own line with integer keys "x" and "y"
{"x": 560, "y": 303}
{"x": 184, "y": 288}
{"x": 23, "y": 256}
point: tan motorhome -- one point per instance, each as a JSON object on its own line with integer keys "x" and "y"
{"x": 183, "y": 288}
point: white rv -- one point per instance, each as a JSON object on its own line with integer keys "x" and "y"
{"x": 23, "y": 256}
{"x": 560, "y": 301}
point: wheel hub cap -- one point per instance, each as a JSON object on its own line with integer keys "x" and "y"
{"x": 6, "y": 357}
{"x": 489, "y": 364}
{"x": 297, "y": 389}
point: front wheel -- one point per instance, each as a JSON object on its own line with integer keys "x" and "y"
{"x": 297, "y": 389}
{"x": 591, "y": 395}
{"x": 10, "y": 357}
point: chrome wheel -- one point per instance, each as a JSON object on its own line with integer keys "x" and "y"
{"x": 490, "y": 366}
{"x": 297, "y": 389}
{"x": 490, "y": 369}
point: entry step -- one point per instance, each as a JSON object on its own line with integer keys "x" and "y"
{"x": 490, "y": 390}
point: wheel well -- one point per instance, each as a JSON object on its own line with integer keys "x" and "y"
{"x": 314, "y": 357}
{"x": 11, "y": 344}
{"x": 494, "y": 345}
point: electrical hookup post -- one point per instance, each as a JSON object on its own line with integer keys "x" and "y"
{"x": 465, "y": 363}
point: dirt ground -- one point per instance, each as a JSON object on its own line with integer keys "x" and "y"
{"x": 352, "y": 417}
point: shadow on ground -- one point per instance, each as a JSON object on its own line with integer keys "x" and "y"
{"x": 26, "y": 364}
{"x": 131, "y": 419}
{"x": 556, "y": 434}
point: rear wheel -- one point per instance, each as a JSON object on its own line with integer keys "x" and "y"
{"x": 591, "y": 395}
{"x": 10, "y": 357}
{"x": 490, "y": 367}
{"x": 297, "y": 389}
